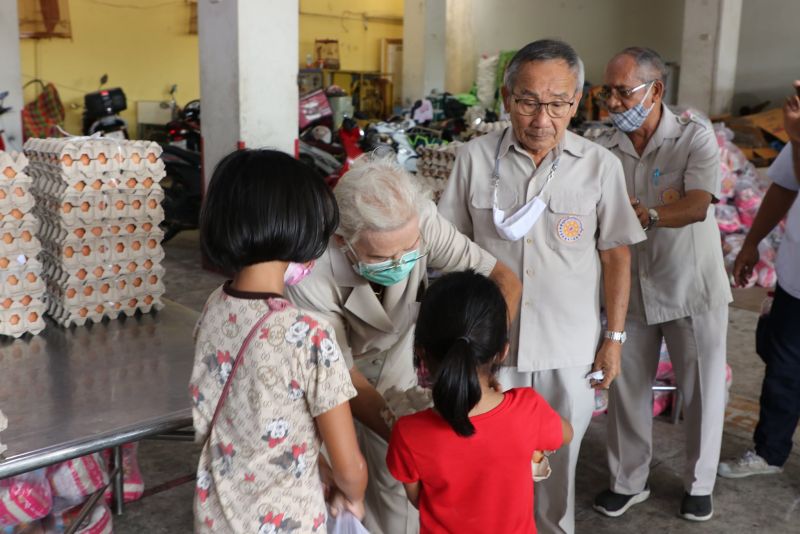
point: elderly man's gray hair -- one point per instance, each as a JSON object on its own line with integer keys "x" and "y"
{"x": 544, "y": 50}
{"x": 376, "y": 194}
{"x": 651, "y": 64}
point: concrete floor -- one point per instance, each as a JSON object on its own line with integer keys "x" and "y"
{"x": 756, "y": 505}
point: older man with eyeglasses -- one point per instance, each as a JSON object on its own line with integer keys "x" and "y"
{"x": 553, "y": 207}
{"x": 679, "y": 290}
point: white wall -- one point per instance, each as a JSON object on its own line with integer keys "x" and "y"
{"x": 769, "y": 52}
{"x": 596, "y": 28}
{"x": 10, "y": 73}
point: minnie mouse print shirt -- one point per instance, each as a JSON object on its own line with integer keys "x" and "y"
{"x": 258, "y": 471}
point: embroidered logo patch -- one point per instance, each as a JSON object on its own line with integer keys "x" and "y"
{"x": 570, "y": 229}
{"x": 670, "y": 195}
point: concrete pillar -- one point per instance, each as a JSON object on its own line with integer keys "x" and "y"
{"x": 248, "y": 76}
{"x": 424, "y": 45}
{"x": 708, "y": 54}
{"x": 11, "y": 74}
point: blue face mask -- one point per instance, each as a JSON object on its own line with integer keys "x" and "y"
{"x": 632, "y": 119}
{"x": 389, "y": 272}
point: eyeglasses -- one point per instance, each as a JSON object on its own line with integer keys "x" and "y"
{"x": 606, "y": 91}
{"x": 528, "y": 107}
{"x": 393, "y": 263}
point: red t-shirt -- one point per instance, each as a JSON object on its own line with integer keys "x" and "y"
{"x": 481, "y": 483}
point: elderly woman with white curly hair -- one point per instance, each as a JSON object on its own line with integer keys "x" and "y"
{"x": 368, "y": 284}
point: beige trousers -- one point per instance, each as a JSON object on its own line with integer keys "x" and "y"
{"x": 568, "y": 392}
{"x": 388, "y": 508}
{"x": 697, "y": 348}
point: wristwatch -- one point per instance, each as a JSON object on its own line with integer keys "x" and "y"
{"x": 653, "y": 218}
{"x": 619, "y": 337}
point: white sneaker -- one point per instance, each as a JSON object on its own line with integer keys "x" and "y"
{"x": 749, "y": 464}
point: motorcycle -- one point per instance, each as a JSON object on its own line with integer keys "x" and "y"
{"x": 101, "y": 112}
{"x": 183, "y": 183}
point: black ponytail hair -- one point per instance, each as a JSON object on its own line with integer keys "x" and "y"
{"x": 462, "y": 327}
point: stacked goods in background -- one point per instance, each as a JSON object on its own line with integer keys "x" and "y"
{"x": 742, "y": 189}
{"x": 434, "y": 167}
{"x": 99, "y": 202}
{"x": 21, "y": 285}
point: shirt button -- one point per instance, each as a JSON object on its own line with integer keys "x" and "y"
{"x": 376, "y": 362}
{"x": 527, "y": 303}
{"x": 529, "y": 272}
{"x": 529, "y": 241}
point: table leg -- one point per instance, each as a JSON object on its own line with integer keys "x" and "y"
{"x": 119, "y": 493}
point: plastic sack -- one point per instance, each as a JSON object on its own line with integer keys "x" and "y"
{"x": 98, "y": 522}
{"x": 24, "y": 498}
{"x": 34, "y": 527}
{"x": 345, "y": 523}
{"x": 132, "y": 482}
{"x": 727, "y": 218}
{"x": 74, "y": 480}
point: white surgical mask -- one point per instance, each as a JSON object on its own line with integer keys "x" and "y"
{"x": 516, "y": 225}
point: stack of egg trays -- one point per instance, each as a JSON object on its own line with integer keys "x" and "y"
{"x": 99, "y": 201}
{"x": 21, "y": 285}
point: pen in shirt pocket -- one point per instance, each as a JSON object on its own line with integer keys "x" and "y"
{"x": 656, "y": 174}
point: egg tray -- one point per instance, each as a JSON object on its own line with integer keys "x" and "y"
{"x": 16, "y": 239}
{"x": 16, "y": 321}
{"x": 121, "y": 249}
{"x": 79, "y": 316}
{"x": 55, "y": 230}
{"x": 80, "y": 157}
{"x": 15, "y": 197}
{"x": 126, "y": 182}
{"x": 12, "y": 168}
{"x": 57, "y": 272}
{"x": 98, "y": 207}
{"x": 122, "y": 289}
{"x": 14, "y": 261}
{"x": 17, "y": 283}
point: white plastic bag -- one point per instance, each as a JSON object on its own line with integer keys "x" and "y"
{"x": 345, "y": 523}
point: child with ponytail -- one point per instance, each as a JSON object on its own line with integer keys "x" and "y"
{"x": 466, "y": 463}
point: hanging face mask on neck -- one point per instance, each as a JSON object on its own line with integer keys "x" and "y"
{"x": 514, "y": 226}
{"x": 632, "y": 119}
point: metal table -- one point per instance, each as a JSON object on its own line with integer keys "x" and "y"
{"x": 72, "y": 392}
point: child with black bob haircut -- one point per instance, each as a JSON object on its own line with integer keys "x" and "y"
{"x": 466, "y": 463}
{"x": 269, "y": 384}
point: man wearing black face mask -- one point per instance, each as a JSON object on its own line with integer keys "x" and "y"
{"x": 679, "y": 289}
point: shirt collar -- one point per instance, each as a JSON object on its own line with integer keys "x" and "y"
{"x": 569, "y": 143}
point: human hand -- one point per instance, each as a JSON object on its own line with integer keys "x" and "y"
{"x": 791, "y": 115}
{"x": 640, "y": 211}
{"x": 745, "y": 262}
{"x": 538, "y": 456}
{"x": 608, "y": 360}
{"x": 339, "y": 503}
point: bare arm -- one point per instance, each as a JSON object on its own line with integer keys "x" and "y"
{"x": 791, "y": 123}
{"x": 347, "y": 463}
{"x": 566, "y": 431}
{"x": 368, "y": 404}
{"x": 688, "y": 210}
{"x": 773, "y": 208}
{"x": 510, "y": 286}
{"x": 412, "y": 492}
{"x": 617, "y": 286}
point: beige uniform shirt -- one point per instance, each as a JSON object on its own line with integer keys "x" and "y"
{"x": 558, "y": 260}
{"x": 677, "y": 272}
{"x": 364, "y": 326}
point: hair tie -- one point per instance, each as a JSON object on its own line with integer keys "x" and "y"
{"x": 464, "y": 338}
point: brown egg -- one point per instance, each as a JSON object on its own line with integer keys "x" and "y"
{"x": 116, "y": 268}
{"x": 88, "y": 291}
{"x": 148, "y": 265}
{"x": 85, "y": 159}
{"x": 152, "y": 158}
{"x": 81, "y": 274}
{"x": 136, "y": 158}
{"x": 80, "y": 186}
{"x": 66, "y": 207}
{"x": 136, "y": 245}
{"x": 147, "y": 227}
{"x": 4, "y": 263}
{"x": 148, "y": 182}
{"x": 105, "y": 288}
{"x": 80, "y": 232}
{"x": 97, "y": 231}
{"x": 13, "y": 280}
{"x": 102, "y": 158}
{"x": 71, "y": 292}
{"x": 137, "y": 282}
{"x": 26, "y": 300}
{"x": 66, "y": 159}
{"x": 10, "y": 173}
{"x": 148, "y": 299}
{"x": 33, "y": 317}
{"x": 69, "y": 251}
{"x": 83, "y": 312}
{"x": 2, "y": 194}
{"x": 132, "y": 266}
{"x": 137, "y": 204}
{"x": 7, "y": 303}
{"x": 99, "y": 308}
{"x": 121, "y": 284}
{"x": 85, "y": 206}
{"x": 8, "y": 238}
{"x": 14, "y": 319}
{"x": 26, "y": 236}
{"x": 19, "y": 192}
{"x": 131, "y": 182}
{"x": 97, "y": 185}
{"x": 131, "y": 228}
{"x": 132, "y": 303}
{"x": 152, "y": 243}
{"x": 30, "y": 277}
{"x": 98, "y": 272}
{"x": 152, "y": 204}
{"x": 153, "y": 279}
{"x": 86, "y": 250}
{"x": 17, "y": 214}
{"x": 120, "y": 247}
